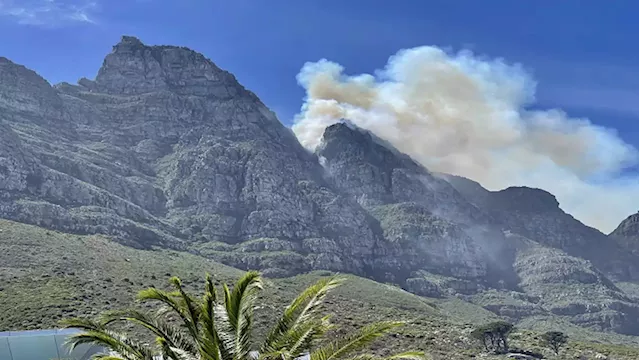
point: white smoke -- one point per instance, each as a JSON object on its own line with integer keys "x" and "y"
{"x": 463, "y": 115}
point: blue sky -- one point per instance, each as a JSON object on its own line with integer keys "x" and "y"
{"x": 582, "y": 53}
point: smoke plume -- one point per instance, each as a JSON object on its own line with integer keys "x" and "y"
{"x": 468, "y": 116}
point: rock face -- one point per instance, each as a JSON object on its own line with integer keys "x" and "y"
{"x": 571, "y": 287}
{"x": 535, "y": 214}
{"x": 165, "y": 149}
{"x": 427, "y": 225}
{"x": 626, "y": 234}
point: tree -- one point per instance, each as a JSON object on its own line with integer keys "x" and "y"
{"x": 555, "y": 340}
{"x": 213, "y": 328}
{"x": 494, "y": 336}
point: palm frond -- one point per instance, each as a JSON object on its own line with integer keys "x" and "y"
{"x": 169, "y": 301}
{"x": 105, "y": 357}
{"x": 239, "y": 305}
{"x": 354, "y": 342}
{"x": 226, "y": 333}
{"x": 282, "y": 354}
{"x": 189, "y": 305}
{"x": 301, "y": 310}
{"x": 172, "y": 353}
{"x": 301, "y": 338}
{"x": 211, "y": 346}
{"x": 160, "y": 328}
{"x": 125, "y": 347}
{"x": 407, "y": 355}
{"x": 80, "y": 323}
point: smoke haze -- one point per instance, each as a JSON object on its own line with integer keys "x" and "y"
{"x": 469, "y": 116}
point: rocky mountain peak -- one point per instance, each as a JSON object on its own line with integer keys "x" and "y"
{"x": 344, "y": 133}
{"x": 17, "y": 80}
{"x": 526, "y": 199}
{"x": 128, "y": 41}
{"x": 135, "y": 68}
{"x": 628, "y": 227}
{"x": 346, "y": 139}
{"x": 626, "y": 235}
{"x": 25, "y": 93}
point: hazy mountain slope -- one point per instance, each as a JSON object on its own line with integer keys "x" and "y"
{"x": 426, "y": 223}
{"x": 448, "y": 245}
{"x": 535, "y": 214}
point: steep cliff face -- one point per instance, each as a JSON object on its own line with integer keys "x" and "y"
{"x": 427, "y": 224}
{"x": 168, "y": 149}
{"x": 575, "y": 289}
{"x": 165, "y": 149}
{"x": 535, "y": 214}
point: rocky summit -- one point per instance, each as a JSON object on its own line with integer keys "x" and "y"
{"x": 163, "y": 149}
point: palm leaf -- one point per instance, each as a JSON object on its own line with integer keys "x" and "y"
{"x": 172, "y": 336}
{"x": 301, "y": 309}
{"x": 239, "y": 305}
{"x": 226, "y": 333}
{"x": 125, "y": 347}
{"x": 212, "y": 347}
{"x": 105, "y": 357}
{"x": 354, "y": 342}
{"x": 189, "y": 304}
{"x": 408, "y": 355}
{"x": 302, "y": 338}
{"x": 172, "y": 353}
{"x": 80, "y": 323}
{"x": 165, "y": 298}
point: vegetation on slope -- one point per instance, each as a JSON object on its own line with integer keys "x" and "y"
{"x": 46, "y": 276}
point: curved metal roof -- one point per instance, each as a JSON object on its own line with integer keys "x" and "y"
{"x": 43, "y": 345}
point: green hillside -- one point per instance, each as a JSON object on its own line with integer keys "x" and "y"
{"x": 46, "y": 276}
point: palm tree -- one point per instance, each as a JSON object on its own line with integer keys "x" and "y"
{"x": 209, "y": 328}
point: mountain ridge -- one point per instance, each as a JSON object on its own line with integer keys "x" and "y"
{"x": 165, "y": 149}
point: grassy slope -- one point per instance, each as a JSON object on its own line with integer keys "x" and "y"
{"x": 46, "y": 276}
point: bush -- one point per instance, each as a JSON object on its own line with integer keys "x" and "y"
{"x": 494, "y": 336}
{"x": 555, "y": 340}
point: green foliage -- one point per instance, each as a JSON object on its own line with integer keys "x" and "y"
{"x": 191, "y": 328}
{"x": 494, "y": 336}
{"x": 555, "y": 340}
{"x": 49, "y": 277}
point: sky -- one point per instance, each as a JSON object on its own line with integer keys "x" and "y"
{"x": 582, "y": 55}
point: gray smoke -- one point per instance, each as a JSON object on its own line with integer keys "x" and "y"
{"x": 462, "y": 115}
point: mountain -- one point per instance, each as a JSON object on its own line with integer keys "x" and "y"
{"x": 626, "y": 234}
{"x": 164, "y": 150}
{"x": 536, "y": 214}
{"x": 454, "y": 237}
